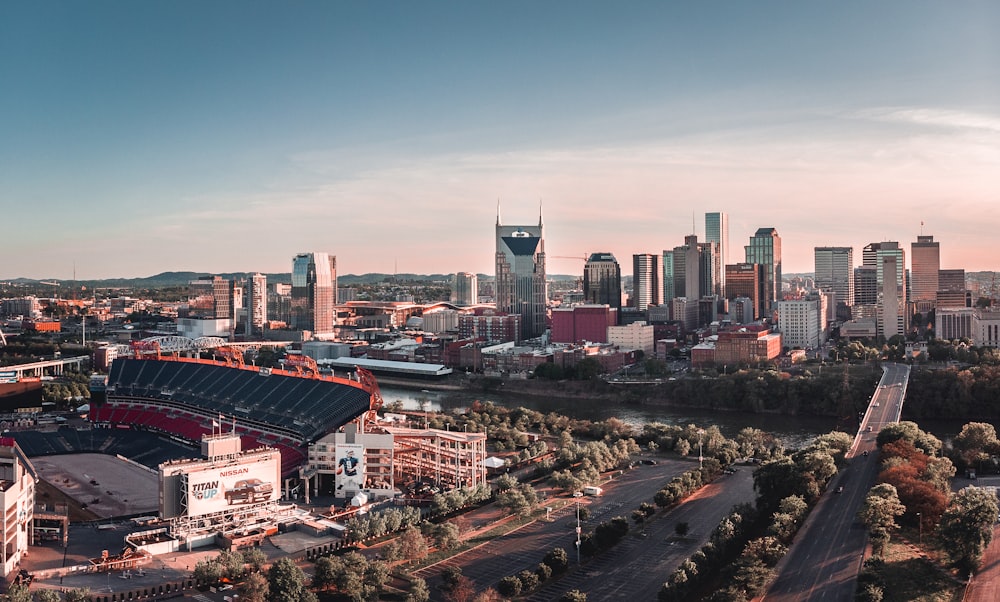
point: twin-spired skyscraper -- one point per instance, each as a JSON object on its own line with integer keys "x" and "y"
{"x": 520, "y": 275}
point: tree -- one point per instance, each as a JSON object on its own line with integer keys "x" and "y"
{"x": 529, "y": 580}
{"x": 967, "y": 526}
{"x": 208, "y": 571}
{"x": 509, "y": 586}
{"x": 48, "y": 595}
{"x": 412, "y": 544}
{"x": 18, "y": 593}
{"x": 879, "y": 513}
{"x": 418, "y": 591}
{"x": 505, "y": 481}
{"x": 557, "y": 559}
{"x": 976, "y": 442}
{"x": 80, "y": 594}
{"x": 285, "y": 581}
{"x": 328, "y": 569}
{"x": 447, "y": 536}
{"x": 574, "y": 595}
{"x": 255, "y": 558}
{"x": 254, "y": 588}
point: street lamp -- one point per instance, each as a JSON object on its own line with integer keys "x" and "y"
{"x": 578, "y": 531}
{"x": 701, "y": 456}
{"x": 920, "y": 529}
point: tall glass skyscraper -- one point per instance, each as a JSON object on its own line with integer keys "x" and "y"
{"x": 645, "y": 280}
{"x": 834, "y": 271}
{"x": 925, "y": 262}
{"x": 717, "y": 231}
{"x": 520, "y": 275}
{"x": 255, "y": 300}
{"x": 765, "y": 249}
{"x": 314, "y": 291}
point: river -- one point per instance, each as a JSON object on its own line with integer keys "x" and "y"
{"x": 793, "y": 431}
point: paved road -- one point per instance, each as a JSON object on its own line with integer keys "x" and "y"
{"x": 638, "y": 566}
{"x": 824, "y": 560}
{"x": 525, "y": 548}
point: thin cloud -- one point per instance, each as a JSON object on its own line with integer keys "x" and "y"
{"x": 946, "y": 118}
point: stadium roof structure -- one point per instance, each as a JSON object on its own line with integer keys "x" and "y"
{"x": 389, "y": 367}
{"x": 303, "y": 407}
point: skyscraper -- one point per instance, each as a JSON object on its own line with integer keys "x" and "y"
{"x": 645, "y": 280}
{"x": 602, "y": 280}
{"x": 520, "y": 275}
{"x": 745, "y": 281}
{"x": 465, "y": 289}
{"x": 765, "y": 249}
{"x": 891, "y": 287}
{"x": 667, "y": 264}
{"x": 834, "y": 271}
{"x": 314, "y": 291}
{"x": 256, "y": 304}
{"x": 210, "y": 298}
{"x": 717, "y": 231}
{"x": 925, "y": 261}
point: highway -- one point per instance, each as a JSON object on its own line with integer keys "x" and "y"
{"x": 824, "y": 560}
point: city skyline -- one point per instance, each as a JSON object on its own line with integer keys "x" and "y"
{"x": 230, "y": 137}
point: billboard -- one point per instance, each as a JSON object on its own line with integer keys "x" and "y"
{"x": 350, "y": 474}
{"x": 218, "y": 488}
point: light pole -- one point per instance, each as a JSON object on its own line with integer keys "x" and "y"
{"x": 920, "y": 529}
{"x": 578, "y": 531}
{"x": 701, "y": 456}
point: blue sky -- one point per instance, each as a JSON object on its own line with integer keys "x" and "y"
{"x": 140, "y": 137}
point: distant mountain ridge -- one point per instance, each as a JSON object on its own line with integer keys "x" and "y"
{"x": 167, "y": 279}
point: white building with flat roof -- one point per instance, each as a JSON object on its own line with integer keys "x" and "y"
{"x": 637, "y": 335}
{"x": 801, "y": 323}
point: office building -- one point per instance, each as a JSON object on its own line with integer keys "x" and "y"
{"x": 891, "y": 303}
{"x": 717, "y": 231}
{"x": 667, "y": 264}
{"x": 645, "y": 280}
{"x": 765, "y": 249}
{"x": 17, "y": 501}
{"x": 583, "y": 323}
{"x": 986, "y": 327}
{"x": 602, "y": 281}
{"x": 834, "y": 271}
{"x": 865, "y": 286}
{"x": 210, "y": 298}
{"x": 746, "y": 280}
{"x": 314, "y": 289}
{"x": 256, "y": 304}
{"x": 954, "y": 323}
{"x": 925, "y": 261}
{"x": 952, "y": 291}
{"x": 892, "y": 287}
{"x": 637, "y": 335}
{"x": 465, "y": 289}
{"x": 520, "y": 275}
{"x": 802, "y": 323}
